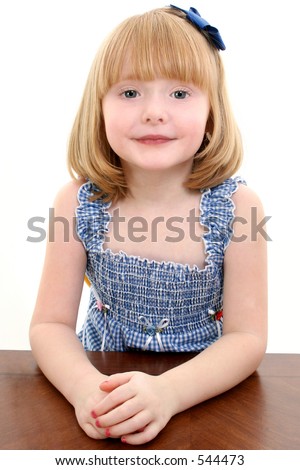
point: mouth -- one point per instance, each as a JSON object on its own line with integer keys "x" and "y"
{"x": 154, "y": 139}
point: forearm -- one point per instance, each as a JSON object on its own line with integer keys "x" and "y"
{"x": 63, "y": 360}
{"x": 220, "y": 367}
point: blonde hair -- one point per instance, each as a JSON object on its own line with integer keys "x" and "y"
{"x": 159, "y": 43}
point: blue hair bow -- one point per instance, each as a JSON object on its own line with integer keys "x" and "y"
{"x": 194, "y": 16}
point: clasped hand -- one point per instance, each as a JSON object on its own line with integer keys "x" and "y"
{"x": 135, "y": 408}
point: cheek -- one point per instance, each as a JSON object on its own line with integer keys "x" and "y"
{"x": 196, "y": 135}
{"x": 110, "y": 116}
{"x": 196, "y": 118}
{"x": 113, "y": 125}
{"x": 112, "y": 136}
{"x": 114, "y": 119}
{"x": 117, "y": 134}
{"x": 195, "y": 129}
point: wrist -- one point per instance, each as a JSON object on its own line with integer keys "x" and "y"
{"x": 168, "y": 389}
{"x": 84, "y": 384}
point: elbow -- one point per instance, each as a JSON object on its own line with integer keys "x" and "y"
{"x": 258, "y": 347}
{"x": 38, "y": 332}
{"x": 33, "y": 334}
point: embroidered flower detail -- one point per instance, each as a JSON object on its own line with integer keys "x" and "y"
{"x": 102, "y": 307}
{"x": 153, "y": 330}
{"x": 150, "y": 330}
{"x": 194, "y": 16}
{"x": 216, "y": 316}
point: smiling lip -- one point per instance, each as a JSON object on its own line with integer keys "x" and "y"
{"x": 153, "y": 139}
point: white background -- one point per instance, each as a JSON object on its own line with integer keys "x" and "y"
{"x": 46, "y": 50}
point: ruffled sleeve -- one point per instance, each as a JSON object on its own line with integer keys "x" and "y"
{"x": 217, "y": 215}
{"x": 92, "y": 218}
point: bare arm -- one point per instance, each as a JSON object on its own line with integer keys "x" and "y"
{"x": 239, "y": 351}
{"x": 54, "y": 343}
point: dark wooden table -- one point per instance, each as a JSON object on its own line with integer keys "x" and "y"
{"x": 263, "y": 412}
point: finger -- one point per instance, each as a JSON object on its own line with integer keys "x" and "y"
{"x": 138, "y": 438}
{"x": 135, "y": 424}
{"x": 94, "y": 432}
{"x": 120, "y": 414}
{"x": 112, "y": 400}
{"x": 115, "y": 381}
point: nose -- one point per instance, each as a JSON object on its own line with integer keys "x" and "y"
{"x": 154, "y": 111}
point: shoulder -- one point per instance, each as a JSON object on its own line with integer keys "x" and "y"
{"x": 246, "y": 201}
{"x": 66, "y": 199}
{"x": 70, "y": 190}
{"x": 249, "y": 222}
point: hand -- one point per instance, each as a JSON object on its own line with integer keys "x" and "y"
{"x": 136, "y": 407}
{"x": 87, "y": 397}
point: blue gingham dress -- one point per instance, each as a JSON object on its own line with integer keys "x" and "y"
{"x": 143, "y": 304}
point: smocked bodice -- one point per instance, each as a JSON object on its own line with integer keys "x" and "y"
{"x": 146, "y": 304}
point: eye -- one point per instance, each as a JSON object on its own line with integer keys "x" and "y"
{"x": 180, "y": 94}
{"x": 130, "y": 93}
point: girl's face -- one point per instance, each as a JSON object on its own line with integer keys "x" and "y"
{"x": 155, "y": 125}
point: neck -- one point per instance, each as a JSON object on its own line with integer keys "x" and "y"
{"x": 157, "y": 187}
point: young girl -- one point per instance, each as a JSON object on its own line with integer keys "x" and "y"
{"x": 154, "y": 148}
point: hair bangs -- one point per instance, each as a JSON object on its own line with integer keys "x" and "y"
{"x": 154, "y": 45}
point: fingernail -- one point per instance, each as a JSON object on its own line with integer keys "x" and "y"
{"x": 98, "y": 424}
{"x": 93, "y": 414}
{"x": 123, "y": 440}
{"x": 107, "y": 432}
